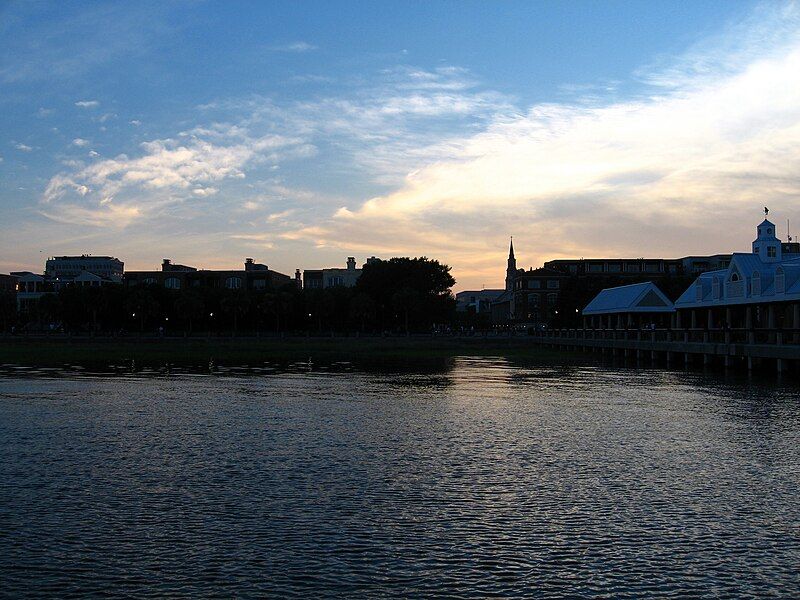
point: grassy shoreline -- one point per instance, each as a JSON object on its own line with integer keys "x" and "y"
{"x": 38, "y": 351}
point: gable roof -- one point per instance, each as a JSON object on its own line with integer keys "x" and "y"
{"x": 634, "y": 298}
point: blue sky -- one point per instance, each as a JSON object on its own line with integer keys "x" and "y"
{"x": 303, "y": 132}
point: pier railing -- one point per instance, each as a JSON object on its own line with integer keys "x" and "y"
{"x": 753, "y": 335}
{"x": 729, "y": 345}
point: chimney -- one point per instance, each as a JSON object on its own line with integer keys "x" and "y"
{"x": 298, "y": 280}
{"x": 351, "y": 263}
{"x": 165, "y": 264}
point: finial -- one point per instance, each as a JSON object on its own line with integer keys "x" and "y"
{"x": 766, "y": 211}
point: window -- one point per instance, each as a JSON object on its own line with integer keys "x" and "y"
{"x": 632, "y": 267}
{"x": 533, "y": 299}
{"x": 780, "y": 281}
{"x": 534, "y": 284}
{"x": 614, "y": 268}
{"x": 553, "y": 284}
{"x": 595, "y": 268}
{"x": 771, "y": 252}
{"x": 233, "y": 283}
{"x": 334, "y": 281}
{"x": 149, "y": 281}
{"x": 552, "y": 298}
{"x": 259, "y": 284}
{"x": 172, "y": 283}
{"x": 735, "y": 277}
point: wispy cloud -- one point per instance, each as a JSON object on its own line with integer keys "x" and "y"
{"x": 23, "y": 147}
{"x": 87, "y": 103}
{"x": 386, "y": 126}
{"x": 81, "y": 40}
{"x": 80, "y": 142}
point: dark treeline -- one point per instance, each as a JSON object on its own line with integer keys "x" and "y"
{"x": 400, "y": 295}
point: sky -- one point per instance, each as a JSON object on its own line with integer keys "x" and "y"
{"x": 300, "y": 133}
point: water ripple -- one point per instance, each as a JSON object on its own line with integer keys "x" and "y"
{"x": 486, "y": 478}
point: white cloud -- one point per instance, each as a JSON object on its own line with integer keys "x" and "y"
{"x": 23, "y": 147}
{"x": 168, "y": 172}
{"x": 135, "y": 122}
{"x": 87, "y": 104}
{"x": 93, "y": 154}
{"x": 80, "y": 142}
{"x": 279, "y": 216}
{"x": 298, "y": 46}
{"x": 205, "y": 191}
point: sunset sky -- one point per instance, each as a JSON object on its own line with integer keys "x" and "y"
{"x": 300, "y": 133}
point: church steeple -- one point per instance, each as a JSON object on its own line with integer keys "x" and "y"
{"x": 511, "y": 269}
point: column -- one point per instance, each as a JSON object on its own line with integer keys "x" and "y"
{"x": 771, "y": 322}
{"x": 796, "y": 321}
{"x": 728, "y": 325}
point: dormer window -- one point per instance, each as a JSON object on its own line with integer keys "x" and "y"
{"x": 771, "y": 252}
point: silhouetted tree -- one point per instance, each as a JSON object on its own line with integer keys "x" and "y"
{"x": 417, "y": 288}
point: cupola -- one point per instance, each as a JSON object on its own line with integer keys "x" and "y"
{"x": 766, "y": 245}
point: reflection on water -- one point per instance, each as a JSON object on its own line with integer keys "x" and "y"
{"x": 471, "y": 477}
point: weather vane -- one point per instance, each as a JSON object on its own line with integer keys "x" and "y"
{"x": 766, "y": 211}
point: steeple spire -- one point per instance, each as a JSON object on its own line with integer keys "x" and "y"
{"x": 511, "y": 269}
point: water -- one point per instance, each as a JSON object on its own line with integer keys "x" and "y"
{"x": 474, "y": 478}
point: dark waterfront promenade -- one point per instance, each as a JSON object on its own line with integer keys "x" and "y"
{"x": 465, "y": 477}
{"x": 36, "y": 350}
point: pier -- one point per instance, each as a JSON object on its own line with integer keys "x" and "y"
{"x": 729, "y": 347}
